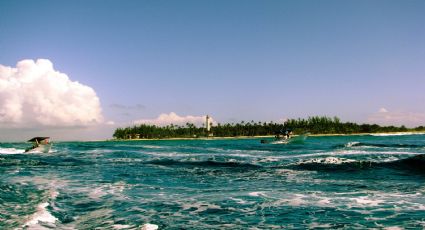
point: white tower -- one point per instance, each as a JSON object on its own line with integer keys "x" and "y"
{"x": 207, "y": 124}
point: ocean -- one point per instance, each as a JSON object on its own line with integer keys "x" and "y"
{"x": 338, "y": 182}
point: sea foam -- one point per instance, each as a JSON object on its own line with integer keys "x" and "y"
{"x": 11, "y": 151}
{"x": 42, "y": 215}
{"x": 329, "y": 160}
{"x": 257, "y": 194}
{"x": 351, "y": 144}
{"x": 149, "y": 227}
{"x": 396, "y": 134}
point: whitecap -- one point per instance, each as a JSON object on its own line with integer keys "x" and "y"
{"x": 393, "y": 228}
{"x": 97, "y": 193}
{"x": 268, "y": 159}
{"x": 42, "y": 215}
{"x": 396, "y": 134}
{"x": 121, "y": 226}
{"x": 257, "y": 194}
{"x": 149, "y": 227}
{"x": 318, "y": 154}
{"x": 329, "y": 160}
{"x": 239, "y": 201}
{"x": 366, "y": 201}
{"x": 316, "y": 225}
{"x": 152, "y": 147}
{"x": 351, "y": 144}
{"x": 11, "y": 151}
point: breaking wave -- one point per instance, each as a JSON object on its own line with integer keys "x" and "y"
{"x": 414, "y": 164}
{"x": 378, "y": 145}
{"x": 11, "y": 151}
{"x": 331, "y": 163}
{"x": 397, "y": 134}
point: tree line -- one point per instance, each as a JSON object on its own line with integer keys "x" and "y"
{"x": 313, "y": 125}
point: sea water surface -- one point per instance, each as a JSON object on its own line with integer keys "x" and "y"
{"x": 340, "y": 182}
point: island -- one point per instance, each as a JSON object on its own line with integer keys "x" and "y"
{"x": 314, "y": 125}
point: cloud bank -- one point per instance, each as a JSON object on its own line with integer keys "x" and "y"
{"x": 173, "y": 118}
{"x": 398, "y": 118}
{"x": 35, "y": 95}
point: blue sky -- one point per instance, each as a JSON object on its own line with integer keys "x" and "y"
{"x": 362, "y": 61}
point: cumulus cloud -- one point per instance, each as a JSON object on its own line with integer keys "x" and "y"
{"x": 173, "y": 118}
{"x": 383, "y": 110}
{"x": 397, "y": 118}
{"x": 35, "y": 95}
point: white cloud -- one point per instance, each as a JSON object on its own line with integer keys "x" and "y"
{"x": 110, "y": 123}
{"x": 383, "y": 110}
{"x": 397, "y": 118}
{"x": 173, "y": 118}
{"x": 35, "y": 95}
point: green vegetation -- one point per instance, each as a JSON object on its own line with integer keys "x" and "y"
{"x": 313, "y": 125}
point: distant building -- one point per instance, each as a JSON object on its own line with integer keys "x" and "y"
{"x": 208, "y": 124}
{"x": 132, "y": 136}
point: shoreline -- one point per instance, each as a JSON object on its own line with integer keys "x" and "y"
{"x": 271, "y": 136}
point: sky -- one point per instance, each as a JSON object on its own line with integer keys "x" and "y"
{"x": 76, "y": 70}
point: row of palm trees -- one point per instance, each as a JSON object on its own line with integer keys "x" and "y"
{"x": 313, "y": 125}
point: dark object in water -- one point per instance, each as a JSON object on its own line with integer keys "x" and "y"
{"x": 40, "y": 144}
{"x": 38, "y": 139}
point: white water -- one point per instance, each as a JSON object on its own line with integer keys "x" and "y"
{"x": 42, "y": 215}
{"x": 396, "y": 134}
{"x": 11, "y": 151}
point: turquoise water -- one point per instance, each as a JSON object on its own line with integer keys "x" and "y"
{"x": 351, "y": 182}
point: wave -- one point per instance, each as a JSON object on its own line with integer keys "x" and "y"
{"x": 351, "y": 144}
{"x": 204, "y": 164}
{"x": 153, "y": 146}
{"x": 149, "y": 227}
{"x": 42, "y": 215}
{"x": 332, "y": 163}
{"x": 36, "y": 161}
{"x": 378, "y": 145}
{"x": 21, "y": 162}
{"x": 396, "y": 134}
{"x": 11, "y": 151}
{"x": 414, "y": 164}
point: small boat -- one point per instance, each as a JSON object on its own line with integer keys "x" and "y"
{"x": 296, "y": 139}
{"x": 40, "y": 144}
{"x": 292, "y": 140}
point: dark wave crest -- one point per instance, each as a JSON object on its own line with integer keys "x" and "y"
{"x": 414, "y": 164}
{"x": 333, "y": 163}
{"x": 204, "y": 164}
